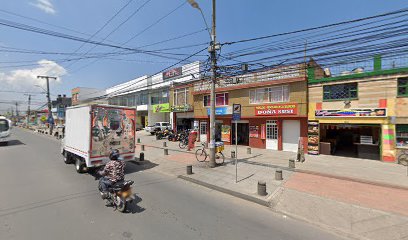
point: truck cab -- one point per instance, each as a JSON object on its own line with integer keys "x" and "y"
{"x": 5, "y": 127}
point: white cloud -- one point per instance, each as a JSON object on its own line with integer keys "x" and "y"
{"x": 26, "y": 79}
{"x": 45, "y": 5}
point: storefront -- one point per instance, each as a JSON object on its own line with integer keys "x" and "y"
{"x": 356, "y": 133}
{"x": 272, "y": 126}
{"x": 183, "y": 117}
{"x": 159, "y": 113}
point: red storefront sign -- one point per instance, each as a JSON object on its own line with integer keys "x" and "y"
{"x": 276, "y": 109}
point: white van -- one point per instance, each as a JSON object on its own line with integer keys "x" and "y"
{"x": 5, "y": 126}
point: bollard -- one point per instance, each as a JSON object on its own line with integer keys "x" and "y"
{"x": 166, "y": 151}
{"x": 142, "y": 147}
{"x": 189, "y": 169}
{"x": 291, "y": 163}
{"x": 278, "y": 175}
{"x": 232, "y": 154}
{"x": 138, "y": 140}
{"x": 248, "y": 150}
{"x": 164, "y": 144}
{"x": 141, "y": 157}
{"x": 262, "y": 188}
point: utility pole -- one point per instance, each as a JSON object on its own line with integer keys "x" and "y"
{"x": 213, "y": 52}
{"x": 50, "y": 118}
{"x": 28, "y": 109}
{"x": 17, "y": 110}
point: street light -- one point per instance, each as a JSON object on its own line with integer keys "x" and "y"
{"x": 213, "y": 54}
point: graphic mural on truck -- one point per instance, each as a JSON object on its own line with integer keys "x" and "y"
{"x": 112, "y": 128}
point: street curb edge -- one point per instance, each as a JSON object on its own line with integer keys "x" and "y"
{"x": 226, "y": 191}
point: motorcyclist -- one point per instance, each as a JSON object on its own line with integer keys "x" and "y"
{"x": 113, "y": 172}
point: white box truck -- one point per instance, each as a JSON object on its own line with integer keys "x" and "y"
{"x": 92, "y": 131}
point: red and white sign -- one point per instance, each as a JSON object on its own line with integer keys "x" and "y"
{"x": 276, "y": 109}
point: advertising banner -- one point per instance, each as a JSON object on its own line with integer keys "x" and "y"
{"x": 182, "y": 108}
{"x": 254, "y": 131}
{"x": 276, "y": 109}
{"x": 225, "y": 133}
{"x": 112, "y": 129}
{"x": 313, "y": 137}
{"x": 220, "y": 111}
{"x": 365, "y": 112}
{"x": 160, "y": 108}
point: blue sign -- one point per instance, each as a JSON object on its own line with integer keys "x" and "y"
{"x": 236, "y": 112}
{"x": 218, "y": 111}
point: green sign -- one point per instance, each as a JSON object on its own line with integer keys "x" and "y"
{"x": 165, "y": 107}
{"x": 182, "y": 108}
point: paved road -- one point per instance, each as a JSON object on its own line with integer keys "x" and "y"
{"x": 42, "y": 198}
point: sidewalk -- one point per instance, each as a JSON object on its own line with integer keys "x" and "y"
{"x": 366, "y": 199}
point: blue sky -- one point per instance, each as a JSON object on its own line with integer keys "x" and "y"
{"x": 235, "y": 20}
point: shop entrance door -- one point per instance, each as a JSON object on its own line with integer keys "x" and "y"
{"x": 203, "y": 132}
{"x": 243, "y": 132}
{"x": 290, "y": 135}
{"x": 271, "y": 134}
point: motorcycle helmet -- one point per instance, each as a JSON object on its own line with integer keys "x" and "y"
{"x": 114, "y": 155}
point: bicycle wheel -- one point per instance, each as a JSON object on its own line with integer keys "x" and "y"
{"x": 219, "y": 158}
{"x": 403, "y": 159}
{"x": 182, "y": 144}
{"x": 201, "y": 155}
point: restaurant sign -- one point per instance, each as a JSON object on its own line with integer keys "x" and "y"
{"x": 364, "y": 112}
{"x": 276, "y": 109}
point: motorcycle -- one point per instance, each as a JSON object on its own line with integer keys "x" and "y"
{"x": 119, "y": 195}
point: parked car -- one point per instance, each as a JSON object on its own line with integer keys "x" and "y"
{"x": 159, "y": 126}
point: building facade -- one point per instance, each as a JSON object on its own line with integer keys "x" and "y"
{"x": 362, "y": 114}
{"x": 273, "y": 103}
{"x": 153, "y": 95}
{"x": 80, "y": 95}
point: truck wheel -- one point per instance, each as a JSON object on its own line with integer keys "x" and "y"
{"x": 80, "y": 166}
{"x": 67, "y": 158}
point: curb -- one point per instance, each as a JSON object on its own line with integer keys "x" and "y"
{"x": 226, "y": 191}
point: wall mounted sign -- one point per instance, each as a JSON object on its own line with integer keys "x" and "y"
{"x": 182, "y": 108}
{"x": 175, "y": 72}
{"x": 160, "y": 108}
{"x": 220, "y": 111}
{"x": 276, "y": 109}
{"x": 364, "y": 112}
{"x": 313, "y": 138}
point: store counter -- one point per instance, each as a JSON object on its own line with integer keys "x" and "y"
{"x": 368, "y": 151}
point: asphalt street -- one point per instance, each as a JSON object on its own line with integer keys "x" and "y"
{"x": 43, "y": 198}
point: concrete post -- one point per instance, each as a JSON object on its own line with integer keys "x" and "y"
{"x": 189, "y": 169}
{"x": 141, "y": 156}
{"x": 248, "y": 150}
{"x": 138, "y": 140}
{"x": 142, "y": 147}
{"x": 291, "y": 163}
{"x": 166, "y": 151}
{"x": 262, "y": 188}
{"x": 278, "y": 175}
{"x": 164, "y": 144}
{"x": 232, "y": 154}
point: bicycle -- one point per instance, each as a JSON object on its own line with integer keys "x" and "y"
{"x": 183, "y": 143}
{"x": 202, "y": 155}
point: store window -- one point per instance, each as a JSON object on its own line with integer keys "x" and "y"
{"x": 160, "y": 97}
{"x": 402, "y": 135}
{"x": 403, "y": 87}
{"x": 180, "y": 97}
{"x": 221, "y": 99}
{"x": 269, "y": 95}
{"x": 340, "y": 91}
